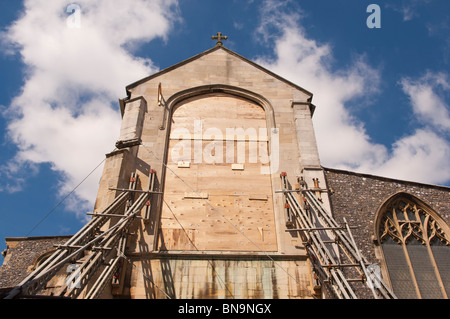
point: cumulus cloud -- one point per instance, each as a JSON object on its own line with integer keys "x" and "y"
{"x": 342, "y": 139}
{"x": 78, "y": 61}
{"x": 428, "y": 105}
{"x": 422, "y": 156}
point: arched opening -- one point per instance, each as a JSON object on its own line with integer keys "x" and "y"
{"x": 415, "y": 247}
{"x": 42, "y": 258}
{"x": 217, "y": 187}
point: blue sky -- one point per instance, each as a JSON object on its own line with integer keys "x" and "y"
{"x": 382, "y": 95}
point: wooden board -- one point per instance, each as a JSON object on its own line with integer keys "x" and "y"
{"x": 214, "y": 204}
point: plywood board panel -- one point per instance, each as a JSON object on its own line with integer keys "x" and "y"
{"x": 218, "y": 222}
{"x": 218, "y": 152}
{"x": 208, "y": 205}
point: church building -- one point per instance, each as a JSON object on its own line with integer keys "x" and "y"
{"x": 216, "y": 190}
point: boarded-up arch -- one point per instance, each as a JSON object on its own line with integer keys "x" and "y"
{"x": 217, "y": 196}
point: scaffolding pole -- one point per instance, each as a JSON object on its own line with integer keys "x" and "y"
{"x": 96, "y": 246}
{"x": 315, "y": 225}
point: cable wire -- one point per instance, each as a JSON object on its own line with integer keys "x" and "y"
{"x": 65, "y": 197}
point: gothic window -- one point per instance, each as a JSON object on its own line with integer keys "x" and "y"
{"x": 416, "y": 248}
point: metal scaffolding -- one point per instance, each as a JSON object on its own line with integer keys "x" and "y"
{"x": 328, "y": 243}
{"x": 98, "y": 248}
{"x": 97, "y": 252}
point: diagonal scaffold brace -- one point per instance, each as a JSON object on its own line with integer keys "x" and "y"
{"x": 94, "y": 252}
{"x": 325, "y": 240}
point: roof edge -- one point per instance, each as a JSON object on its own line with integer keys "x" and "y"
{"x": 36, "y": 238}
{"x": 219, "y": 47}
{"x": 337, "y": 170}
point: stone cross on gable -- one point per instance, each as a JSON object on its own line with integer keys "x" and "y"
{"x": 219, "y": 37}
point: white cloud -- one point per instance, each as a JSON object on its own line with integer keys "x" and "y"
{"x": 420, "y": 156}
{"x": 342, "y": 139}
{"x": 428, "y": 106}
{"x": 67, "y": 112}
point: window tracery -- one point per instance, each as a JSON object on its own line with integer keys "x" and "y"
{"x": 406, "y": 221}
{"x": 416, "y": 248}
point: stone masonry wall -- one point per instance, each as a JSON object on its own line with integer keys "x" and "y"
{"x": 358, "y": 197}
{"x": 22, "y": 254}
